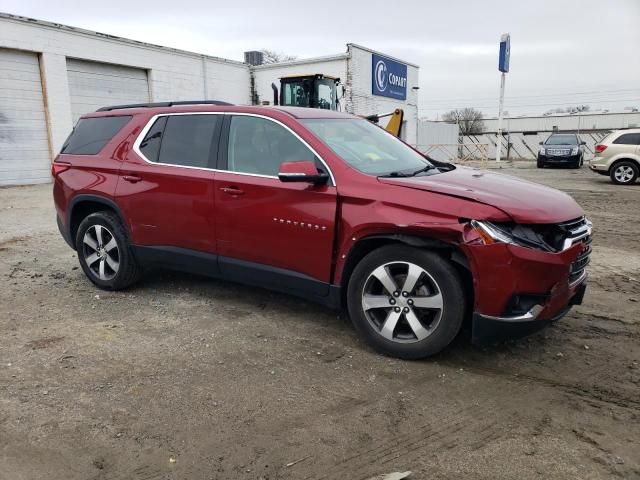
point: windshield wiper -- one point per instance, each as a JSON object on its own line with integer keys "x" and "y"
{"x": 420, "y": 170}
{"x": 426, "y": 168}
{"x": 395, "y": 174}
{"x": 408, "y": 174}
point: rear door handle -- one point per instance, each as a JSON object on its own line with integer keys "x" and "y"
{"x": 232, "y": 190}
{"x": 131, "y": 178}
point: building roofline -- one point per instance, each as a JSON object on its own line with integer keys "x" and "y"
{"x": 382, "y": 54}
{"x": 303, "y": 61}
{"x": 567, "y": 115}
{"x": 112, "y": 38}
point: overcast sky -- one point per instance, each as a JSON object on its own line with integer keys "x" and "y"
{"x": 563, "y": 52}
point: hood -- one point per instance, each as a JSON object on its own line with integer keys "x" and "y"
{"x": 523, "y": 201}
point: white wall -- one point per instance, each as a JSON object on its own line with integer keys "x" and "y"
{"x": 438, "y": 139}
{"x": 582, "y": 122}
{"x": 361, "y": 101}
{"x": 173, "y": 74}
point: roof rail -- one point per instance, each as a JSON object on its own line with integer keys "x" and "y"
{"x": 164, "y": 104}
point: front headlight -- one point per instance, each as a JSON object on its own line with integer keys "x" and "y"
{"x": 514, "y": 234}
{"x": 489, "y": 233}
{"x": 542, "y": 151}
{"x": 574, "y": 151}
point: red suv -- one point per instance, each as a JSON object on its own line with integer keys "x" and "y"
{"x": 323, "y": 205}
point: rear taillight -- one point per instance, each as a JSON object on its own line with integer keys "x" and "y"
{"x": 58, "y": 167}
{"x": 600, "y": 148}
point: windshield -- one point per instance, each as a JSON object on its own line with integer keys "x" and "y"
{"x": 366, "y": 147}
{"x": 561, "y": 140}
{"x": 297, "y": 94}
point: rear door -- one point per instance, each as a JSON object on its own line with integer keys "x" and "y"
{"x": 268, "y": 229}
{"x": 166, "y": 184}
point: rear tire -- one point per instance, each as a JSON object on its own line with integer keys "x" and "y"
{"x": 104, "y": 252}
{"x": 423, "y": 313}
{"x": 624, "y": 172}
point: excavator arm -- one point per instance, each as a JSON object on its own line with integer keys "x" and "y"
{"x": 394, "y": 126}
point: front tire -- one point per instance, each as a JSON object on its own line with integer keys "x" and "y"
{"x": 624, "y": 173}
{"x": 406, "y": 302}
{"x": 540, "y": 164}
{"x": 104, "y": 252}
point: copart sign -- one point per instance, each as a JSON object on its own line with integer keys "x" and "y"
{"x": 388, "y": 78}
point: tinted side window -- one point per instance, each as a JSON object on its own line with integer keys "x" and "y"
{"x": 90, "y": 135}
{"x": 628, "y": 139}
{"x": 259, "y": 146}
{"x": 188, "y": 140}
{"x": 150, "y": 145}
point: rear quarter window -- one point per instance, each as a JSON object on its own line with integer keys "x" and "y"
{"x": 628, "y": 139}
{"x": 90, "y": 135}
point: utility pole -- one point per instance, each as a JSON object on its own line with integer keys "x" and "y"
{"x": 500, "y": 107}
{"x": 503, "y": 66}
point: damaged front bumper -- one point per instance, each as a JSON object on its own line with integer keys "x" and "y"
{"x": 489, "y": 329}
{"x": 520, "y": 290}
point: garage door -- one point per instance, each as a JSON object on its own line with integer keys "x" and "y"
{"x": 93, "y": 85}
{"x": 24, "y": 145}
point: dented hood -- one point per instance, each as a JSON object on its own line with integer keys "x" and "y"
{"x": 523, "y": 201}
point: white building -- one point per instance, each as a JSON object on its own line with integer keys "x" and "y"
{"x": 50, "y": 74}
{"x": 355, "y": 68}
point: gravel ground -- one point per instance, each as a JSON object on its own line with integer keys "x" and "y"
{"x": 186, "y": 377}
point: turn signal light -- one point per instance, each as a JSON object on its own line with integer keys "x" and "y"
{"x": 58, "y": 167}
{"x": 600, "y": 148}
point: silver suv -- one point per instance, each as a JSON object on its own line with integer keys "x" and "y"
{"x": 618, "y": 155}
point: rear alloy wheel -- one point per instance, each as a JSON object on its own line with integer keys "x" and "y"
{"x": 104, "y": 253}
{"x": 624, "y": 173}
{"x": 100, "y": 251}
{"x": 406, "y": 302}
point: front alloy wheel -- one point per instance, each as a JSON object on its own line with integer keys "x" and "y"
{"x": 406, "y": 302}
{"x": 402, "y": 301}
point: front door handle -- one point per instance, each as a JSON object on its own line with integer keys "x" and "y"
{"x": 232, "y": 190}
{"x": 131, "y": 178}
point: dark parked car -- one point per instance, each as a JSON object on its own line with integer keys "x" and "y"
{"x": 561, "y": 149}
{"x": 323, "y": 205}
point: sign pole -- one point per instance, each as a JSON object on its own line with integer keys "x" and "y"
{"x": 503, "y": 66}
{"x": 500, "y": 108}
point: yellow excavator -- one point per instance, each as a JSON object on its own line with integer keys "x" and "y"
{"x": 321, "y": 91}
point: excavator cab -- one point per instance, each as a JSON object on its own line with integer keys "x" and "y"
{"x": 311, "y": 91}
{"x": 321, "y": 91}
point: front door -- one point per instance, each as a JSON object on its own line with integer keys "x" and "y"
{"x": 268, "y": 229}
{"x": 166, "y": 186}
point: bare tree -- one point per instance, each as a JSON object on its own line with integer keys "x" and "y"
{"x": 575, "y": 109}
{"x": 468, "y": 119}
{"x": 271, "y": 56}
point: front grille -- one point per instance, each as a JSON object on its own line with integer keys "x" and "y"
{"x": 558, "y": 151}
{"x": 578, "y": 230}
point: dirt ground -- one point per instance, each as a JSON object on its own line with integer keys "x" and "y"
{"x": 234, "y": 382}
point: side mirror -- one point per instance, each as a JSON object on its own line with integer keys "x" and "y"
{"x": 303, "y": 171}
{"x": 582, "y": 142}
{"x": 541, "y": 143}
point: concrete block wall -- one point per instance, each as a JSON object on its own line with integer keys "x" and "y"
{"x": 173, "y": 74}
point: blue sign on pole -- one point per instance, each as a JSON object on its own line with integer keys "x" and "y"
{"x": 505, "y": 51}
{"x": 388, "y": 78}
